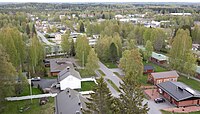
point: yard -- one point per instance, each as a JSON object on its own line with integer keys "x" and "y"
{"x": 85, "y": 74}
{"x": 87, "y": 86}
{"x": 13, "y": 107}
{"x": 110, "y": 64}
{"x": 190, "y": 82}
{"x": 156, "y": 67}
{"x": 101, "y": 72}
{"x": 26, "y": 91}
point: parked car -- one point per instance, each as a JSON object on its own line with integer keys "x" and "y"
{"x": 159, "y": 100}
{"x": 35, "y": 79}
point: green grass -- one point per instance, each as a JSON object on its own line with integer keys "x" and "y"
{"x": 12, "y": 107}
{"x": 190, "y": 82}
{"x": 110, "y": 64}
{"x": 143, "y": 80}
{"x": 113, "y": 85}
{"x": 26, "y": 91}
{"x": 165, "y": 112}
{"x": 156, "y": 67}
{"x": 87, "y": 86}
{"x": 101, "y": 72}
{"x": 85, "y": 74}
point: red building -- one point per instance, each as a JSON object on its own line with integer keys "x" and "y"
{"x": 148, "y": 69}
{"x": 160, "y": 77}
{"x": 179, "y": 94}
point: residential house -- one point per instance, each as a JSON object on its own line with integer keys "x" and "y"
{"x": 158, "y": 58}
{"x": 179, "y": 94}
{"x": 195, "y": 47}
{"x": 70, "y": 102}
{"x": 58, "y": 64}
{"x": 160, "y": 77}
{"x": 148, "y": 69}
{"x": 69, "y": 78}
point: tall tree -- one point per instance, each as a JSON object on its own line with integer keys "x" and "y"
{"x": 65, "y": 44}
{"x": 101, "y": 100}
{"x": 7, "y": 77}
{"x": 82, "y": 49}
{"x": 131, "y": 97}
{"x": 113, "y": 52}
{"x": 180, "y": 56}
{"x": 72, "y": 48}
{"x": 27, "y": 29}
{"x": 82, "y": 27}
{"x": 148, "y": 51}
{"x": 92, "y": 62}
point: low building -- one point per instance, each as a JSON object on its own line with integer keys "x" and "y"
{"x": 160, "y": 77}
{"x": 158, "y": 58}
{"x": 148, "y": 69}
{"x": 179, "y": 94}
{"x": 70, "y": 102}
{"x": 69, "y": 78}
{"x": 59, "y": 64}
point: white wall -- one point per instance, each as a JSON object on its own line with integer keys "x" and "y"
{"x": 70, "y": 82}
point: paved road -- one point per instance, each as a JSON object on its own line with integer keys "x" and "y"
{"x": 44, "y": 39}
{"x": 154, "y": 108}
{"x": 118, "y": 70}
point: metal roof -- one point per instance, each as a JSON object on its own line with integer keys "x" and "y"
{"x": 165, "y": 74}
{"x": 159, "y": 57}
{"x": 148, "y": 67}
{"x": 179, "y": 91}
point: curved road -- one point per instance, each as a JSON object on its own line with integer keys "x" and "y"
{"x": 44, "y": 39}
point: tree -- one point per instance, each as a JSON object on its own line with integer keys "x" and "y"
{"x": 101, "y": 100}
{"x": 113, "y": 52}
{"x": 65, "y": 44}
{"x": 82, "y": 49}
{"x": 82, "y": 27}
{"x": 180, "y": 55}
{"x": 148, "y": 51}
{"x": 7, "y": 77}
{"x": 131, "y": 97}
{"x": 92, "y": 62}
{"x": 129, "y": 59}
{"x": 27, "y": 29}
{"x": 72, "y": 50}
{"x": 196, "y": 34}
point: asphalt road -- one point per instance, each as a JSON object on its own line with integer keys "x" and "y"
{"x": 44, "y": 39}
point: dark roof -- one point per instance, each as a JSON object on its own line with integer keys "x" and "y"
{"x": 59, "y": 64}
{"x": 148, "y": 67}
{"x": 67, "y": 72}
{"x": 69, "y": 102}
{"x": 44, "y": 83}
{"x": 179, "y": 91}
{"x": 164, "y": 74}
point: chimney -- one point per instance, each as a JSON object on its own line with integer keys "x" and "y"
{"x": 68, "y": 68}
{"x": 79, "y": 104}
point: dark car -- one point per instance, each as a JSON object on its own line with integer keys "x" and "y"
{"x": 159, "y": 100}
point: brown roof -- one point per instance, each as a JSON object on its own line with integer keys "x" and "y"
{"x": 165, "y": 74}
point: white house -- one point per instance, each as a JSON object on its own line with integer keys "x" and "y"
{"x": 69, "y": 78}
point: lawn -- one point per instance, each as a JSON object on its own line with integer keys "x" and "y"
{"x": 26, "y": 91}
{"x": 101, "y": 72}
{"x": 190, "y": 82}
{"x": 110, "y": 64}
{"x": 143, "y": 80}
{"x": 12, "y": 107}
{"x": 87, "y": 86}
{"x": 113, "y": 85}
{"x": 156, "y": 67}
{"x": 85, "y": 74}
{"x": 165, "y": 112}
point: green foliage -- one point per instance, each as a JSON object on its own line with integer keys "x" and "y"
{"x": 87, "y": 86}
{"x": 82, "y": 27}
{"x": 148, "y": 51}
{"x": 100, "y": 101}
{"x": 72, "y": 49}
{"x": 65, "y": 44}
{"x": 92, "y": 62}
{"x": 82, "y": 49}
{"x": 181, "y": 57}
{"x": 113, "y": 52}
{"x": 196, "y": 34}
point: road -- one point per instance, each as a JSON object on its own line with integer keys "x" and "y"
{"x": 45, "y": 40}
{"x": 154, "y": 108}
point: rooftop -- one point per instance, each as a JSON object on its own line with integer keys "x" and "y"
{"x": 67, "y": 72}
{"x": 159, "y": 57}
{"x": 165, "y": 74}
{"x": 179, "y": 91}
{"x": 148, "y": 67}
{"x": 69, "y": 102}
{"x": 198, "y": 69}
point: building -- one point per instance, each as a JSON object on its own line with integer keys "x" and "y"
{"x": 148, "y": 69}
{"x": 179, "y": 94}
{"x": 69, "y": 78}
{"x": 198, "y": 72}
{"x": 59, "y": 64}
{"x": 160, "y": 77}
{"x": 70, "y": 102}
{"x": 181, "y": 14}
{"x": 158, "y": 58}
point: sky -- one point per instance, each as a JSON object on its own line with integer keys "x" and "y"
{"x": 65, "y": 1}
